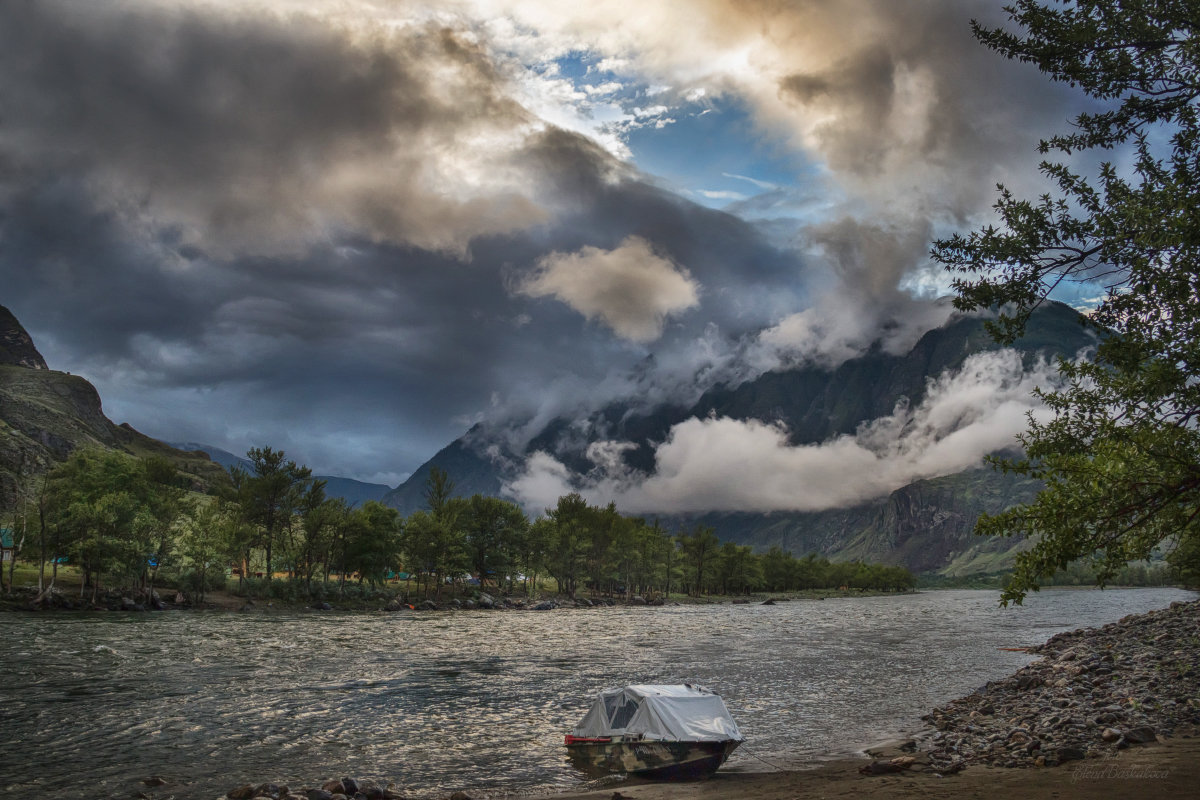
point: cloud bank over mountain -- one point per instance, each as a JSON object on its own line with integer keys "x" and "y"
{"x": 352, "y": 229}
{"x": 724, "y": 464}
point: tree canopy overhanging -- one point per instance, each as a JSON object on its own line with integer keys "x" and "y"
{"x": 1119, "y": 448}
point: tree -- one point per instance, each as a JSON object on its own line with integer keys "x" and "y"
{"x": 206, "y": 540}
{"x": 271, "y": 495}
{"x": 168, "y": 505}
{"x": 570, "y": 539}
{"x": 1119, "y": 451}
{"x": 493, "y": 530}
{"x": 373, "y": 542}
{"x": 433, "y": 546}
{"x": 700, "y": 549}
{"x": 101, "y": 501}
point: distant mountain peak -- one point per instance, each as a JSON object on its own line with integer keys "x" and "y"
{"x": 16, "y": 346}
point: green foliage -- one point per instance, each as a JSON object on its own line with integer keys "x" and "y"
{"x": 122, "y": 519}
{"x": 205, "y": 542}
{"x": 270, "y": 496}
{"x": 493, "y": 534}
{"x": 700, "y": 551}
{"x": 1185, "y": 561}
{"x": 103, "y": 510}
{"x": 373, "y": 542}
{"x": 1119, "y": 451}
{"x": 784, "y": 572}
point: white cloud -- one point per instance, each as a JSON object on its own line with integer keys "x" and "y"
{"x": 631, "y": 289}
{"x": 723, "y": 464}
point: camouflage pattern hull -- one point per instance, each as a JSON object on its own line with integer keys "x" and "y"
{"x": 646, "y": 759}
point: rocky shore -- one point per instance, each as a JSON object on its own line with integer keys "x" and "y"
{"x": 1092, "y": 693}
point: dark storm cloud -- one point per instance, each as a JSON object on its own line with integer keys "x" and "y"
{"x": 177, "y": 227}
{"x": 251, "y": 228}
{"x": 910, "y": 106}
{"x": 251, "y": 132}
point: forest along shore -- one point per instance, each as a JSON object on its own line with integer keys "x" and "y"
{"x": 1110, "y": 712}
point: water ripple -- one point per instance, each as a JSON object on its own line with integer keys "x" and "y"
{"x": 91, "y": 704}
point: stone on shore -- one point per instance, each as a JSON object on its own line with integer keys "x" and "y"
{"x": 1093, "y": 692}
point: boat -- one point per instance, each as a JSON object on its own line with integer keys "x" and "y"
{"x": 671, "y": 732}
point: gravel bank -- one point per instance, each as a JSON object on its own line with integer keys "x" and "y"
{"x": 1093, "y": 692}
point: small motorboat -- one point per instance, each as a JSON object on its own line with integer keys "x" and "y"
{"x": 655, "y": 731}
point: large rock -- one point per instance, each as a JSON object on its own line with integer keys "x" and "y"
{"x": 1142, "y": 735}
{"x": 16, "y": 346}
{"x": 486, "y": 600}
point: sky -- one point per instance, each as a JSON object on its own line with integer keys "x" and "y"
{"x": 353, "y": 229}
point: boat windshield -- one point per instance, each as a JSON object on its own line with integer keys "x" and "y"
{"x": 620, "y": 710}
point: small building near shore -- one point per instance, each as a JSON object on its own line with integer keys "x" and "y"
{"x": 6, "y": 545}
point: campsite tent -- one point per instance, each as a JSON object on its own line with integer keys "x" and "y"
{"x": 684, "y": 713}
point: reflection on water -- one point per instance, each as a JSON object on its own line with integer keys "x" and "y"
{"x": 90, "y": 705}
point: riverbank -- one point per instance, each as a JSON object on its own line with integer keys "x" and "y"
{"x": 1169, "y": 769}
{"x": 67, "y": 598}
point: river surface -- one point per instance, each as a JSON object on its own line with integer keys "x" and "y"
{"x": 476, "y": 700}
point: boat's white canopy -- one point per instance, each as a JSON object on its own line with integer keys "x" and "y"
{"x": 684, "y": 713}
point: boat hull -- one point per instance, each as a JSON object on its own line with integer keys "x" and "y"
{"x": 651, "y": 759}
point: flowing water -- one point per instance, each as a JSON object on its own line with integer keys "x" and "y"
{"x": 441, "y": 701}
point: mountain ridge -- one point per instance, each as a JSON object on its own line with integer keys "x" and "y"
{"x": 928, "y": 523}
{"x": 45, "y": 415}
{"x": 354, "y": 492}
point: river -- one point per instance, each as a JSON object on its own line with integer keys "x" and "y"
{"x": 477, "y": 700}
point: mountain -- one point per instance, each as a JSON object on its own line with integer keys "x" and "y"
{"x": 926, "y": 525}
{"x": 355, "y": 493}
{"x": 16, "y": 346}
{"x": 46, "y": 414}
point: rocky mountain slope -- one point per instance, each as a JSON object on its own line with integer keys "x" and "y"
{"x": 926, "y": 525}
{"x": 46, "y": 414}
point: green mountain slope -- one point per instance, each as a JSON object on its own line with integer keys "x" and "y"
{"x": 46, "y": 414}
